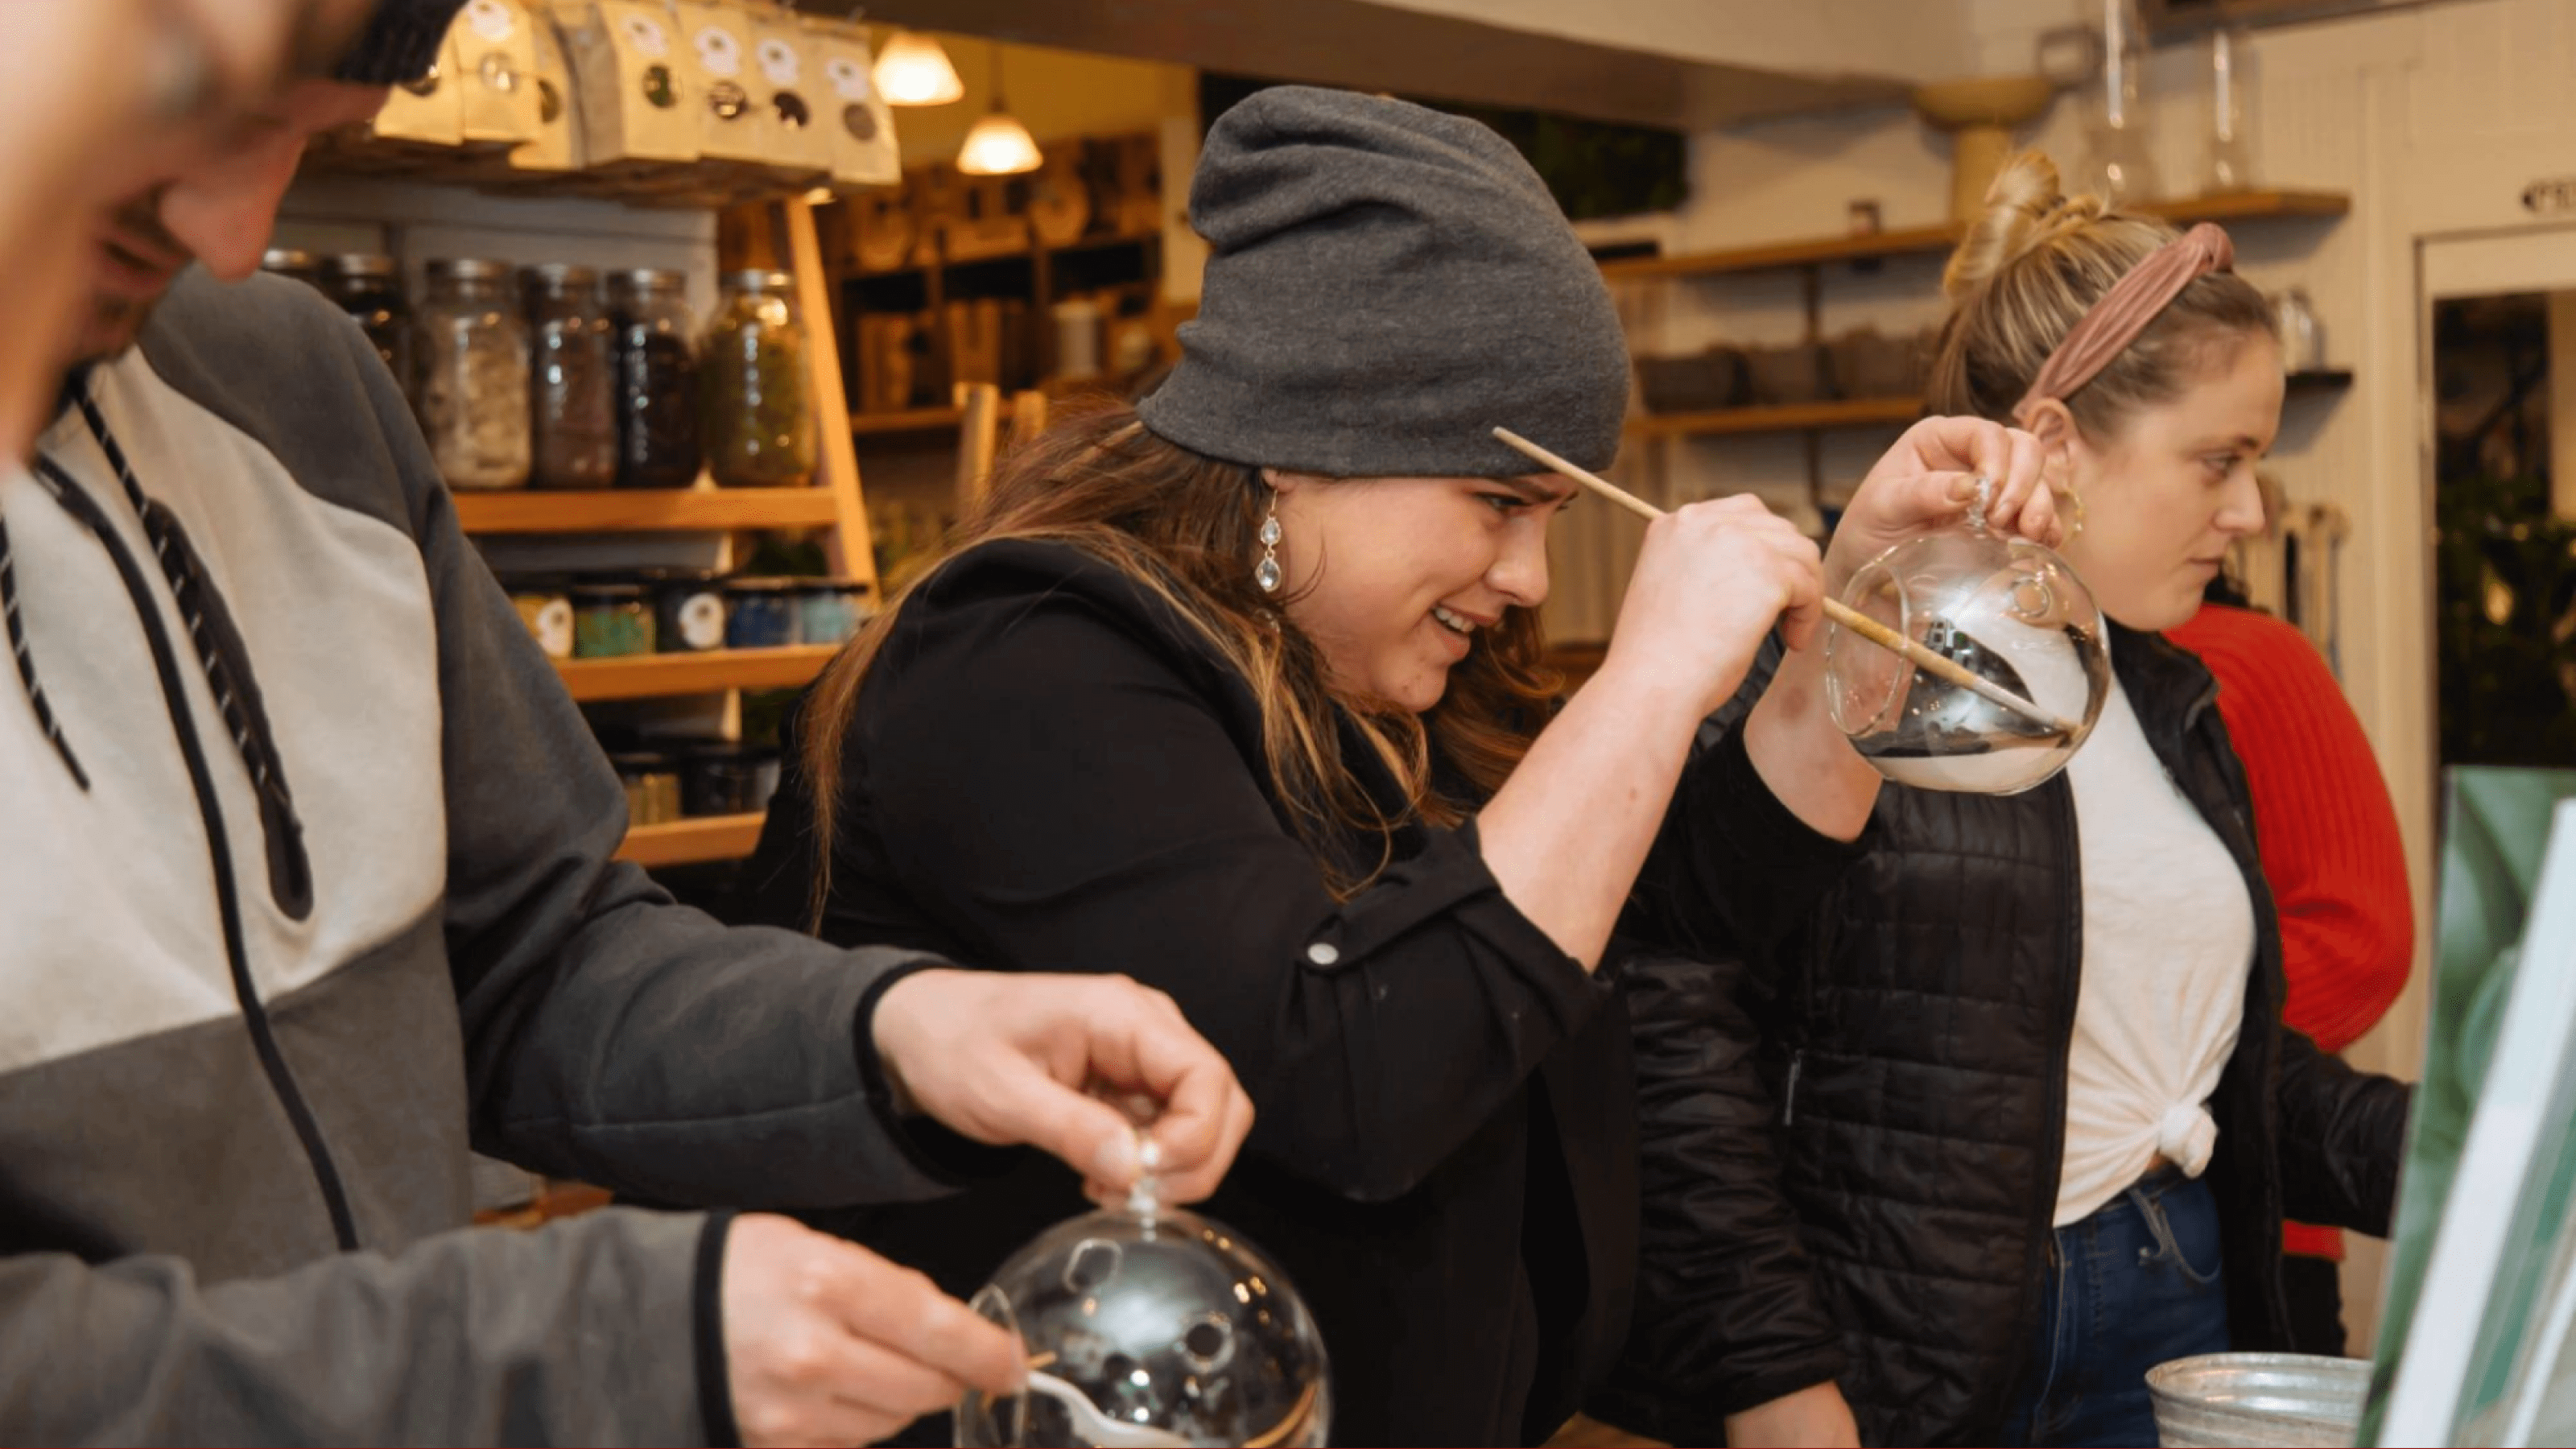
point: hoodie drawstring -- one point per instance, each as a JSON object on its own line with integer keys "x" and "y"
{"x": 219, "y": 648}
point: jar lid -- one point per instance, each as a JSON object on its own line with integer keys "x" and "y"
{"x": 559, "y": 275}
{"x": 286, "y": 259}
{"x": 643, "y": 761}
{"x": 599, "y": 593}
{"x": 648, "y": 279}
{"x": 365, "y": 264}
{"x": 666, "y": 577}
{"x": 759, "y": 282}
{"x": 468, "y": 269}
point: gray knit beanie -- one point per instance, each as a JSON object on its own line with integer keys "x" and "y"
{"x": 399, "y": 44}
{"x": 1386, "y": 285}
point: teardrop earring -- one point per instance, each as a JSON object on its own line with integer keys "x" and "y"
{"x": 1266, "y": 573}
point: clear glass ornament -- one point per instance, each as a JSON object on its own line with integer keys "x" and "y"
{"x": 1150, "y": 1328}
{"x": 2008, "y": 611}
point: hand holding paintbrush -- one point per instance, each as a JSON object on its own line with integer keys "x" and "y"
{"x": 1938, "y": 665}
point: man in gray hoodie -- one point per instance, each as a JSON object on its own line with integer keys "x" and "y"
{"x": 308, "y": 884}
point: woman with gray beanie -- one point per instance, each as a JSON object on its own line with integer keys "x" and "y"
{"x": 1238, "y": 691}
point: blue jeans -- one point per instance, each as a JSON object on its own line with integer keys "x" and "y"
{"x": 2128, "y": 1288}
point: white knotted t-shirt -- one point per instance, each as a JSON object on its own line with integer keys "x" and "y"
{"x": 2168, "y": 939}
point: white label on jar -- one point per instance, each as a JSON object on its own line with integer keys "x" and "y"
{"x": 554, "y": 629}
{"x": 718, "y": 51}
{"x": 849, "y": 78}
{"x": 778, "y": 62}
{"x": 702, "y": 621}
{"x": 644, "y": 33}
{"x": 490, "y": 19}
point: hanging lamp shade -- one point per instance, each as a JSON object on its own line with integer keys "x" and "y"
{"x": 913, "y": 71}
{"x": 998, "y": 146}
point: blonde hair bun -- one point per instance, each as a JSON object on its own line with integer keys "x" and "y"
{"x": 2026, "y": 209}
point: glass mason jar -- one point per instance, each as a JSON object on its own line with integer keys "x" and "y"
{"x": 2230, "y": 163}
{"x": 369, "y": 288}
{"x": 657, "y": 379}
{"x": 472, "y": 362}
{"x": 2117, "y": 165}
{"x": 572, "y": 385}
{"x": 759, "y": 412}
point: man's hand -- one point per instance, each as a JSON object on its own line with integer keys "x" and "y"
{"x": 1813, "y": 1416}
{"x": 827, "y": 1343}
{"x": 1010, "y": 1058}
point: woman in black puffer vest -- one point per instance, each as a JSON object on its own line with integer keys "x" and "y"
{"x": 2009, "y": 1115}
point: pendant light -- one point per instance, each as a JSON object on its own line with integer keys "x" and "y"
{"x": 998, "y": 145}
{"x": 913, "y": 71}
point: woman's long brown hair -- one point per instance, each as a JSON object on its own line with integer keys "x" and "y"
{"x": 1185, "y": 527}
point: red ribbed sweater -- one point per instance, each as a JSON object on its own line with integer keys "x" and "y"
{"x": 2326, "y": 830}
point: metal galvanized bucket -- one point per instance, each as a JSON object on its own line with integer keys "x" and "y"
{"x": 2259, "y": 1400}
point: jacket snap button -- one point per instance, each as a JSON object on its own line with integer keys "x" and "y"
{"x": 1323, "y": 953}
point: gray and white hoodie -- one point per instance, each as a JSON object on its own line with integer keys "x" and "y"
{"x": 305, "y": 885}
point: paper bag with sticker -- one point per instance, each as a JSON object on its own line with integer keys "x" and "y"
{"x": 849, "y": 110}
{"x": 630, "y": 96}
{"x": 556, "y": 145}
{"x": 789, "y": 86}
{"x": 496, "y": 72}
{"x": 427, "y": 111}
{"x": 732, "y": 126}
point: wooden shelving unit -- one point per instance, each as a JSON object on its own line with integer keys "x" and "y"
{"x": 784, "y": 218}
{"x": 653, "y": 676}
{"x": 1917, "y": 241}
{"x": 1789, "y": 418}
{"x": 1775, "y": 256}
{"x": 2250, "y": 206}
{"x": 646, "y": 510}
{"x": 692, "y": 842}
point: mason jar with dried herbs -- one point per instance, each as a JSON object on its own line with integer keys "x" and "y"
{"x": 657, "y": 379}
{"x": 611, "y": 620}
{"x": 759, "y": 410}
{"x": 572, "y": 385}
{"x": 369, "y": 288}
{"x": 472, "y": 368}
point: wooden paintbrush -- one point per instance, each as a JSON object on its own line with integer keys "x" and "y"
{"x": 1940, "y": 666}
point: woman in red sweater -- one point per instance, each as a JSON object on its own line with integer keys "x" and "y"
{"x": 2337, "y": 868}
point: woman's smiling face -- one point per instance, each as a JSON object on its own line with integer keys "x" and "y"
{"x": 1393, "y": 577}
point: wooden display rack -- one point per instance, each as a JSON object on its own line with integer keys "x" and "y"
{"x": 834, "y": 503}
{"x": 960, "y": 273}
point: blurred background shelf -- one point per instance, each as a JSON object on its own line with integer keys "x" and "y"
{"x": 650, "y": 676}
{"x": 908, "y": 420}
{"x": 1918, "y": 241}
{"x": 1784, "y": 418}
{"x": 645, "y": 510}
{"x": 692, "y": 842}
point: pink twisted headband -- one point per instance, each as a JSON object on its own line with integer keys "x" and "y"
{"x": 2124, "y": 312}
